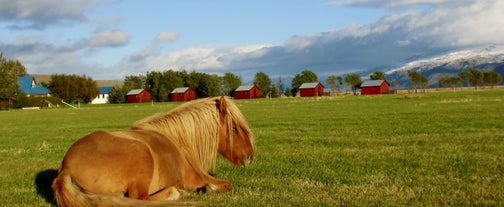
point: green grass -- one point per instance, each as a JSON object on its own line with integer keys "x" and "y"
{"x": 434, "y": 149}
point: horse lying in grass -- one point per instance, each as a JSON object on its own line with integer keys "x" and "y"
{"x": 156, "y": 158}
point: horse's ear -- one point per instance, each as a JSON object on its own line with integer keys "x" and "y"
{"x": 222, "y": 105}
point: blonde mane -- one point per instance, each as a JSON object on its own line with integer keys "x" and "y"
{"x": 194, "y": 129}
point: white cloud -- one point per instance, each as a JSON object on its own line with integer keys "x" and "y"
{"x": 166, "y": 37}
{"x": 108, "y": 38}
{"x": 430, "y": 27}
{"x": 36, "y": 14}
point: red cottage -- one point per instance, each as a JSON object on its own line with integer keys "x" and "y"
{"x": 138, "y": 96}
{"x": 311, "y": 89}
{"x": 247, "y": 92}
{"x": 183, "y": 94}
{"x": 371, "y": 87}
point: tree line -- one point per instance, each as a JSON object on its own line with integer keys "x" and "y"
{"x": 161, "y": 83}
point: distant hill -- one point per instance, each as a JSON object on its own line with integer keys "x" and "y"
{"x": 449, "y": 65}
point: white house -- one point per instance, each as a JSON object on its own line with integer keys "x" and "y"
{"x": 104, "y": 95}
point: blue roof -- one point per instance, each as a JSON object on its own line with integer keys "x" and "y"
{"x": 105, "y": 89}
{"x": 28, "y": 85}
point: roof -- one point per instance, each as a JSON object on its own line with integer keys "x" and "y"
{"x": 371, "y": 83}
{"x": 180, "y": 90}
{"x": 105, "y": 89}
{"x": 135, "y": 92}
{"x": 28, "y": 85}
{"x": 310, "y": 85}
{"x": 245, "y": 88}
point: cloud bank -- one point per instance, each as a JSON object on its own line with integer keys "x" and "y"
{"x": 414, "y": 29}
{"x": 426, "y": 28}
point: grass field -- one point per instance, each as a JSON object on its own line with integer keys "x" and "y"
{"x": 433, "y": 149}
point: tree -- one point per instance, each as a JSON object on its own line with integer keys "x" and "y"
{"x": 73, "y": 87}
{"x": 417, "y": 79}
{"x": 161, "y": 84}
{"x": 212, "y": 85}
{"x": 377, "y": 75}
{"x": 205, "y": 85}
{"x": 263, "y": 82}
{"x": 10, "y": 70}
{"x": 135, "y": 82}
{"x": 277, "y": 89}
{"x": 452, "y": 81}
{"x": 353, "y": 80}
{"x": 306, "y": 76}
{"x": 118, "y": 95}
{"x": 230, "y": 82}
{"x": 334, "y": 82}
{"x": 492, "y": 78}
{"x": 475, "y": 77}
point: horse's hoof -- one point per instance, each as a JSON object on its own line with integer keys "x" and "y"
{"x": 202, "y": 190}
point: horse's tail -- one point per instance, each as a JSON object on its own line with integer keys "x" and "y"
{"x": 68, "y": 194}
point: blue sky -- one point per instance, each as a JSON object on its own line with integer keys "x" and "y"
{"x": 109, "y": 39}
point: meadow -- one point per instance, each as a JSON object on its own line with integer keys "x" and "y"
{"x": 432, "y": 149}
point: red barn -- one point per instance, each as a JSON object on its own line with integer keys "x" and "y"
{"x": 311, "y": 89}
{"x": 247, "y": 92}
{"x": 183, "y": 94}
{"x": 371, "y": 87}
{"x": 138, "y": 96}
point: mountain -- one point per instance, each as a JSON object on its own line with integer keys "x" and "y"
{"x": 450, "y": 64}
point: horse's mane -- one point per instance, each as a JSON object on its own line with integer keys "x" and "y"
{"x": 194, "y": 128}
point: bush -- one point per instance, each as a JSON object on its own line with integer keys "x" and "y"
{"x": 41, "y": 102}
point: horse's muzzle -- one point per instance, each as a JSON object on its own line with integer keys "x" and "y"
{"x": 246, "y": 161}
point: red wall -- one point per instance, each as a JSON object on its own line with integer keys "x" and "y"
{"x": 143, "y": 96}
{"x": 309, "y": 92}
{"x": 254, "y": 92}
{"x": 370, "y": 90}
{"x": 188, "y": 95}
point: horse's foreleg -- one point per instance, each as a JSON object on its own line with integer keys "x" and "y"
{"x": 170, "y": 193}
{"x": 216, "y": 185}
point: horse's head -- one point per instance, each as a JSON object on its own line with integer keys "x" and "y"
{"x": 235, "y": 137}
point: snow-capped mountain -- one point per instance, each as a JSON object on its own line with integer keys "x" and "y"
{"x": 449, "y": 65}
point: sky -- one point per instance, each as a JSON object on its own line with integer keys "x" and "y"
{"x": 111, "y": 39}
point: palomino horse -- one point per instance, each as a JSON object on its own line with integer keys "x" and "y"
{"x": 156, "y": 158}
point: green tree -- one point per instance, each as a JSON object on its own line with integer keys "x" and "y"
{"x": 417, "y": 79}
{"x": 73, "y": 87}
{"x": 212, "y": 84}
{"x": 10, "y": 70}
{"x": 335, "y": 83}
{"x": 135, "y": 82}
{"x": 161, "y": 84}
{"x": 451, "y": 81}
{"x": 204, "y": 84}
{"x": 277, "y": 89}
{"x": 377, "y": 75}
{"x": 474, "y": 77}
{"x": 288, "y": 92}
{"x": 230, "y": 83}
{"x": 306, "y": 76}
{"x": 118, "y": 95}
{"x": 353, "y": 80}
{"x": 492, "y": 78}
{"x": 263, "y": 82}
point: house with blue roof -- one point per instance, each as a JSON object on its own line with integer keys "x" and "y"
{"x": 30, "y": 87}
{"x": 102, "y": 98}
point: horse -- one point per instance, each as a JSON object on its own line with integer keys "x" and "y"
{"x": 157, "y": 158}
